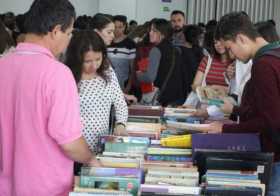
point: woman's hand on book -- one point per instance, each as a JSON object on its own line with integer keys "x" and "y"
{"x": 120, "y": 130}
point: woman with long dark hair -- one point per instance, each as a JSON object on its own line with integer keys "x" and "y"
{"x": 97, "y": 84}
{"x": 164, "y": 68}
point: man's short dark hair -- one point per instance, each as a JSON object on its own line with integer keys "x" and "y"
{"x": 44, "y": 15}
{"x": 175, "y": 12}
{"x": 132, "y": 22}
{"x": 121, "y": 18}
{"x": 235, "y": 23}
{"x": 268, "y": 31}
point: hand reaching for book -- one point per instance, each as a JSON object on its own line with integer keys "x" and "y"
{"x": 230, "y": 72}
{"x": 130, "y": 99}
{"x": 94, "y": 162}
{"x": 227, "y": 107}
{"x": 120, "y": 130}
{"x": 214, "y": 127}
{"x": 200, "y": 113}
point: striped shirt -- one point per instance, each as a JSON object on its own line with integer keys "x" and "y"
{"x": 122, "y": 55}
{"x": 215, "y": 75}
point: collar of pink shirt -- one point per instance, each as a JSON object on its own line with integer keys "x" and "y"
{"x": 31, "y": 48}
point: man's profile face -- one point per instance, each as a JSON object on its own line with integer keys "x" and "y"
{"x": 238, "y": 49}
{"x": 177, "y": 21}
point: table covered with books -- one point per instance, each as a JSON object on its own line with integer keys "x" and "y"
{"x": 164, "y": 153}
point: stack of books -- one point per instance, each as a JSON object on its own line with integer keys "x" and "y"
{"x": 237, "y": 173}
{"x": 108, "y": 181}
{"x": 172, "y": 176}
{"x": 140, "y": 110}
{"x": 169, "y": 154}
{"x": 229, "y": 182}
{"x": 171, "y": 181}
{"x": 124, "y": 152}
{"x": 151, "y": 130}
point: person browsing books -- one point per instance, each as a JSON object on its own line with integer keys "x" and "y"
{"x": 260, "y": 107}
{"x": 97, "y": 84}
{"x": 40, "y": 124}
{"x": 105, "y": 27}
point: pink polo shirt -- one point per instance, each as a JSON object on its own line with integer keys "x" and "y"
{"x": 39, "y": 111}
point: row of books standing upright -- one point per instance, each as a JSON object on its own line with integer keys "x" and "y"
{"x": 164, "y": 154}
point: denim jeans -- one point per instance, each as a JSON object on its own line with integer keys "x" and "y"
{"x": 274, "y": 186}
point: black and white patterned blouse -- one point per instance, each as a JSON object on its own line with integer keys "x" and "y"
{"x": 96, "y": 98}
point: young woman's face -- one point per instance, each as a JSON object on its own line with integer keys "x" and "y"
{"x": 107, "y": 34}
{"x": 92, "y": 61}
{"x": 219, "y": 47}
{"x": 155, "y": 35}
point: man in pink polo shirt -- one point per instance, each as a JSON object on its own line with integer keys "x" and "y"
{"x": 40, "y": 127}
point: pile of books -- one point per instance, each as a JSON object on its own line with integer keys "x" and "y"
{"x": 140, "y": 110}
{"x": 151, "y": 130}
{"x": 122, "y": 151}
{"x": 166, "y": 154}
{"x": 229, "y": 182}
{"x": 169, "y": 154}
{"x": 171, "y": 181}
{"x": 238, "y": 173}
{"x": 108, "y": 181}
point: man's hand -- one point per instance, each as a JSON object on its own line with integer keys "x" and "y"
{"x": 214, "y": 127}
{"x": 200, "y": 113}
{"x": 187, "y": 107}
{"x": 227, "y": 107}
{"x": 230, "y": 72}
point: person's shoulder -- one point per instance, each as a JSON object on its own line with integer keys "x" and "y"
{"x": 59, "y": 70}
{"x": 129, "y": 43}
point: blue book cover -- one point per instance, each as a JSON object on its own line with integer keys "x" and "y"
{"x": 235, "y": 142}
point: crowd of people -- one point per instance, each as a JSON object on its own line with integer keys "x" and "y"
{"x": 64, "y": 77}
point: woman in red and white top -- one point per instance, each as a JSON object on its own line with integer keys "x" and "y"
{"x": 220, "y": 61}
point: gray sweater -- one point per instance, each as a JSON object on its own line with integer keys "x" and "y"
{"x": 154, "y": 60}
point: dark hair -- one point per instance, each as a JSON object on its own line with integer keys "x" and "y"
{"x": 20, "y": 23}
{"x": 235, "y": 23}
{"x": 211, "y": 25}
{"x": 133, "y": 22}
{"x": 100, "y": 21}
{"x": 209, "y": 43}
{"x": 272, "y": 22}
{"x": 44, "y": 15}
{"x": 268, "y": 31}
{"x": 82, "y": 22}
{"x": 9, "y": 20}
{"x": 6, "y": 40}
{"x": 163, "y": 26}
{"x": 175, "y": 12}
{"x": 201, "y": 24}
{"x": 81, "y": 43}
{"x": 192, "y": 33}
{"x": 121, "y": 18}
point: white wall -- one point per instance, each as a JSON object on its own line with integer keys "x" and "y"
{"x": 123, "y": 7}
{"x": 140, "y": 10}
{"x": 277, "y": 15}
{"x": 89, "y": 7}
{"x": 16, "y": 6}
{"x": 149, "y": 9}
